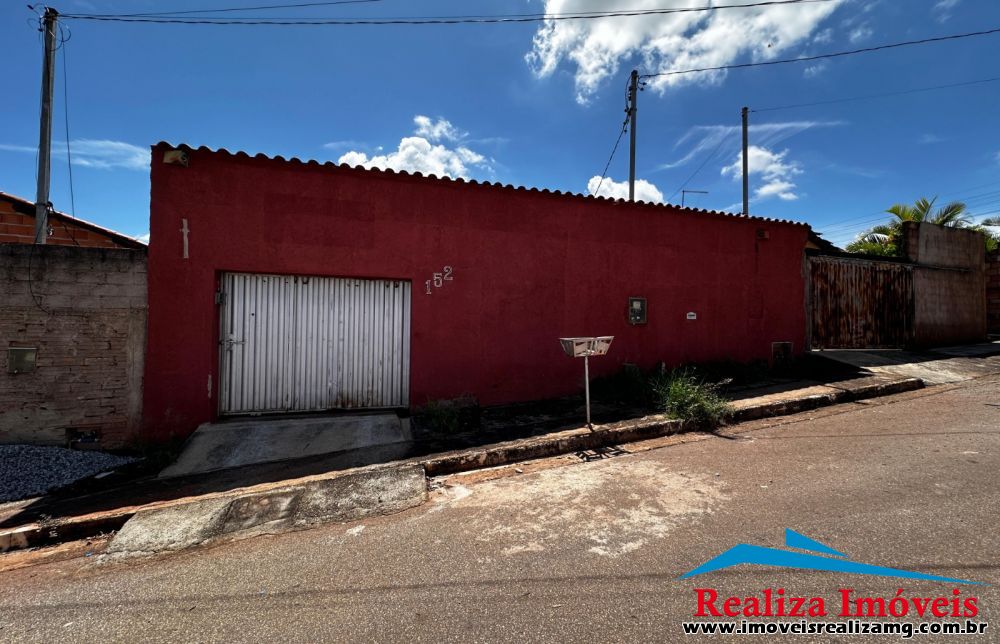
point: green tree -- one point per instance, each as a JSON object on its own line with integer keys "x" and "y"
{"x": 991, "y": 228}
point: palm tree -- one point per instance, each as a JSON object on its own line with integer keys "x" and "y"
{"x": 986, "y": 227}
{"x": 878, "y": 240}
{"x": 952, "y": 214}
{"x": 884, "y": 238}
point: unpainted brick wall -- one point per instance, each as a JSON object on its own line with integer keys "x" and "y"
{"x": 993, "y": 291}
{"x": 18, "y": 227}
{"x": 84, "y": 309}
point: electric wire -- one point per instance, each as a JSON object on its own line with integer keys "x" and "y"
{"x": 612, "y": 156}
{"x": 837, "y": 54}
{"x": 69, "y": 153}
{"x": 711, "y": 155}
{"x": 844, "y": 230}
{"x": 257, "y": 8}
{"x": 985, "y": 200}
{"x": 431, "y": 20}
{"x": 882, "y": 95}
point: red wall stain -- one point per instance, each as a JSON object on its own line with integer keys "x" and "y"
{"x": 529, "y": 267}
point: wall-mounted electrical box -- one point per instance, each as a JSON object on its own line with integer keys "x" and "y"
{"x": 636, "y": 310}
{"x": 21, "y": 359}
{"x": 781, "y": 356}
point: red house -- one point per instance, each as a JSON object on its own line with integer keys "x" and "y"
{"x": 281, "y": 286}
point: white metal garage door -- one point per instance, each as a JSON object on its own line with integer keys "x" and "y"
{"x": 311, "y": 343}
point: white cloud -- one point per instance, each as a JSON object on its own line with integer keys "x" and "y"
{"x": 17, "y": 148}
{"x": 823, "y": 37}
{"x": 772, "y": 167}
{"x": 812, "y": 71}
{"x": 340, "y": 145}
{"x": 942, "y": 9}
{"x": 425, "y": 152}
{"x": 109, "y": 154}
{"x": 597, "y": 48}
{"x": 928, "y": 139}
{"x": 95, "y": 153}
{"x": 713, "y": 137}
{"x": 438, "y": 130}
{"x": 644, "y": 190}
{"x": 144, "y": 238}
{"x": 859, "y": 33}
{"x": 417, "y": 154}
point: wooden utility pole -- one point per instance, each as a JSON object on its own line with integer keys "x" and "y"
{"x": 633, "y": 96}
{"x": 746, "y": 164}
{"x": 49, "y": 20}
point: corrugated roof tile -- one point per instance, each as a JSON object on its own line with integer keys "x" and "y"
{"x": 432, "y": 177}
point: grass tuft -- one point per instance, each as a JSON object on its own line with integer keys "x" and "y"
{"x": 683, "y": 395}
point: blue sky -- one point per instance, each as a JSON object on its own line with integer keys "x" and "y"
{"x": 528, "y": 104}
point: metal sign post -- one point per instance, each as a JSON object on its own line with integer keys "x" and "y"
{"x": 584, "y": 348}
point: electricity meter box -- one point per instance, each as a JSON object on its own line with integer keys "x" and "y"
{"x": 636, "y": 310}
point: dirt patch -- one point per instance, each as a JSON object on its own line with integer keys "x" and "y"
{"x": 614, "y": 506}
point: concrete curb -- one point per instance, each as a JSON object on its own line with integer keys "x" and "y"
{"x": 385, "y": 489}
{"x": 655, "y": 426}
{"x": 565, "y": 442}
{"x": 841, "y": 392}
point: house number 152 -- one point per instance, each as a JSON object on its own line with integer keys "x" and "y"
{"x": 438, "y": 279}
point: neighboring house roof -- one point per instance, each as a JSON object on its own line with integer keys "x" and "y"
{"x": 68, "y": 230}
{"x": 818, "y": 243}
{"x": 165, "y": 145}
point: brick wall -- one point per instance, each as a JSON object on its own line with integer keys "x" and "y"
{"x": 949, "y": 284}
{"x": 17, "y": 226}
{"x": 993, "y": 291}
{"x": 84, "y": 310}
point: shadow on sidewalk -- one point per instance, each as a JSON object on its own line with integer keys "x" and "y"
{"x": 134, "y": 486}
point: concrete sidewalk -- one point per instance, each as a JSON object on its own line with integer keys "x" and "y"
{"x": 934, "y": 367}
{"x": 381, "y": 489}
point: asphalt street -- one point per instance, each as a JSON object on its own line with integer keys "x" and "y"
{"x": 591, "y": 551}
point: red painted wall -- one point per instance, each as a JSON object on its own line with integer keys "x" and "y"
{"x": 529, "y": 267}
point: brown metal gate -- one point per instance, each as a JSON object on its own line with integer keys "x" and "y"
{"x": 859, "y": 303}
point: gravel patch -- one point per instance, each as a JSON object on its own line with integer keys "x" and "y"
{"x": 31, "y": 470}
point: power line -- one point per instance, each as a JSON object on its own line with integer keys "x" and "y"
{"x": 873, "y": 218}
{"x": 844, "y": 226}
{"x": 613, "y": 150}
{"x": 429, "y": 20}
{"x": 882, "y": 95}
{"x": 230, "y": 9}
{"x": 849, "y": 227}
{"x": 69, "y": 155}
{"x": 837, "y": 54}
{"x": 708, "y": 158}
